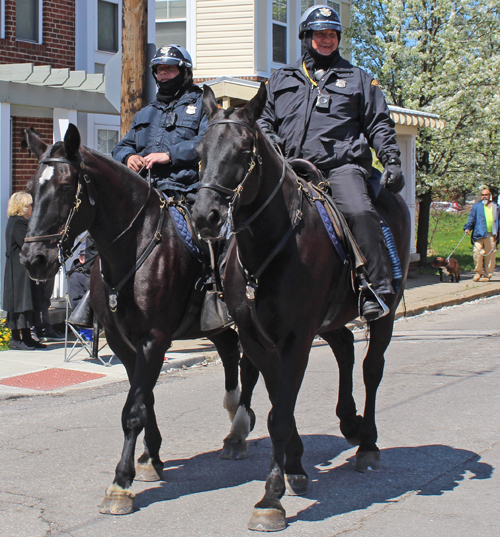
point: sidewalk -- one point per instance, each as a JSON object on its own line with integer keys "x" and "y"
{"x": 29, "y": 373}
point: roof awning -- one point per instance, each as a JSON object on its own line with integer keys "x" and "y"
{"x": 25, "y": 84}
{"x": 236, "y": 91}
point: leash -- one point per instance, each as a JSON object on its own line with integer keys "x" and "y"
{"x": 465, "y": 235}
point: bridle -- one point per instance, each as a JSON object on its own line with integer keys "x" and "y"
{"x": 63, "y": 235}
{"x": 82, "y": 178}
{"x": 234, "y": 195}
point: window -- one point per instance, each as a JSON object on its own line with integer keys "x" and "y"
{"x": 28, "y": 20}
{"x": 334, "y": 5}
{"x": 306, "y": 4}
{"x": 106, "y": 140}
{"x": 107, "y": 26}
{"x": 279, "y": 30}
{"x": 170, "y": 22}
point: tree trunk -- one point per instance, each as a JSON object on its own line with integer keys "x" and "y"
{"x": 134, "y": 43}
{"x": 424, "y": 214}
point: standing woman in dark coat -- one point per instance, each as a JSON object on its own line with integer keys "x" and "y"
{"x": 17, "y": 298}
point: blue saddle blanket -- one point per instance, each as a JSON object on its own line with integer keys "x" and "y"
{"x": 184, "y": 232}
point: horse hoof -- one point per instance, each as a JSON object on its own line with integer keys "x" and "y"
{"x": 267, "y": 520}
{"x": 296, "y": 484}
{"x": 118, "y": 503}
{"x": 234, "y": 451}
{"x": 367, "y": 460}
{"x": 147, "y": 472}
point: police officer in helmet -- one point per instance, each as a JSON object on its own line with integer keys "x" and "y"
{"x": 164, "y": 134}
{"x": 323, "y": 109}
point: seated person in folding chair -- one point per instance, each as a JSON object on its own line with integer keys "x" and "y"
{"x": 79, "y": 280}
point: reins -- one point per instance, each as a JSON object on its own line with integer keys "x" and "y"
{"x": 113, "y": 291}
{"x": 234, "y": 196}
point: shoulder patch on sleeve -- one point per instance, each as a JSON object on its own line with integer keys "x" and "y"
{"x": 375, "y": 83}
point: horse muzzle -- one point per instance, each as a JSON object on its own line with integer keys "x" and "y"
{"x": 41, "y": 262}
{"x": 210, "y": 221}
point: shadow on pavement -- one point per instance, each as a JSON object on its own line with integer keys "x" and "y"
{"x": 335, "y": 489}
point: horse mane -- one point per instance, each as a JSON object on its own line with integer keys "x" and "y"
{"x": 54, "y": 148}
{"x": 132, "y": 178}
{"x": 228, "y": 112}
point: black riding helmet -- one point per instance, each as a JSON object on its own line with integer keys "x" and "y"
{"x": 317, "y": 18}
{"x": 172, "y": 55}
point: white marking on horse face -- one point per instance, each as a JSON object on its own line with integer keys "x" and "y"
{"x": 46, "y": 174}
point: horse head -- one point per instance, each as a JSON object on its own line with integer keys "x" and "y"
{"x": 56, "y": 192}
{"x": 228, "y": 153}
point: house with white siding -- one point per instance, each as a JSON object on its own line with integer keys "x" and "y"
{"x": 48, "y": 79}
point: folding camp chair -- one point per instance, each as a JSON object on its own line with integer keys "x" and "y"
{"x": 75, "y": 322}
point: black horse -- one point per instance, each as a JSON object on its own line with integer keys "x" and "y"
{"x": 76, "y": 189}
{"x": 281, "y": 278}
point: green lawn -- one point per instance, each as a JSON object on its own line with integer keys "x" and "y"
{"x": 445, "y": 232}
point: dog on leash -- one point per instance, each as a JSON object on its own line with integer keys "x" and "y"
{"x": 447, "y": 267}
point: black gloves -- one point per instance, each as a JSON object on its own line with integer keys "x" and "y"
{"x": 276, "y": 141}
{"x": 393, "y": 178}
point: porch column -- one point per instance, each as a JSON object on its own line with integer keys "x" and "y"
{"x": 5, "y": 179}
{"x": 62, "y": 118}
{"x": 407, "y": 146}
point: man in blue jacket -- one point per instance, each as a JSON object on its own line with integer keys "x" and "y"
{"x": 164, "y": 134}
{"x": 484, "y": 223}
{"x": 325, "y": 110}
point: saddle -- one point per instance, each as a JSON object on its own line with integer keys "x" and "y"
{"x": 313, "y": 184}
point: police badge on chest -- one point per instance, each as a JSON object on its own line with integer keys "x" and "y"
{"x": 323, "y": 102}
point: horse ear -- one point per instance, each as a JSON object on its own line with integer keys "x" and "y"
{"x": 32, "y": 141}
{"x": 72, "y": 142}
{"x": 210, "y": 106}
{"x": 254, "y": 108}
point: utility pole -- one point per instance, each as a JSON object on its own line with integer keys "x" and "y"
{"x": 134, "y": 44}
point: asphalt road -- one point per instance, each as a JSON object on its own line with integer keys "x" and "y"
{"x": 439, "y": 432}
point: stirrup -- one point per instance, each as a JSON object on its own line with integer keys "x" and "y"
{"x": 364, "y": 289}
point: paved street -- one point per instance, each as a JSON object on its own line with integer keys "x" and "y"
{"x": 439, "y": 433}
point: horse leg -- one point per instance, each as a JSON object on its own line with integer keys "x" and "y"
{"x": 149, "y": 465}
{"x": 235, "y": 444}
{"x": 341, "y": 342}
{"x": 283, "y": 388}
{"x": 236, "y": 402}
{"x": 227, "y": 345}
{"x": 119, "y": 499}
{"x": 368, "y": 454}
{"x": 296, "y": 479}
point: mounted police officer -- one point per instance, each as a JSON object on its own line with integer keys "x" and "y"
{"x": 323, "y": 109}
{"x": 164, "y": 134}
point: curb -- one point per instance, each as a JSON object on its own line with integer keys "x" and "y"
{"x": 188, "y": 360}
{"x": 447, "y": 303}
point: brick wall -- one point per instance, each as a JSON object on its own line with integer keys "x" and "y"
{"x": 24, "y": 165}
{"x": 58, "y": 36}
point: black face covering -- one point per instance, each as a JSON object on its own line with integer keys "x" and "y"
{"x": 314, "y": 60}
{"x": 175, "y": 87}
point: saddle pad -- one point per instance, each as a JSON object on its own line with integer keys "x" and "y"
{"x": 397, "y": 271}
{"x": 331, "y": 231}
{"x": 185, "y": 233}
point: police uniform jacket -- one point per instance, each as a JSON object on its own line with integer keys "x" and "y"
{"x": 354, "y": 117}
{"x": 17, "y": 296}
{"x": 175, "y": 129}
